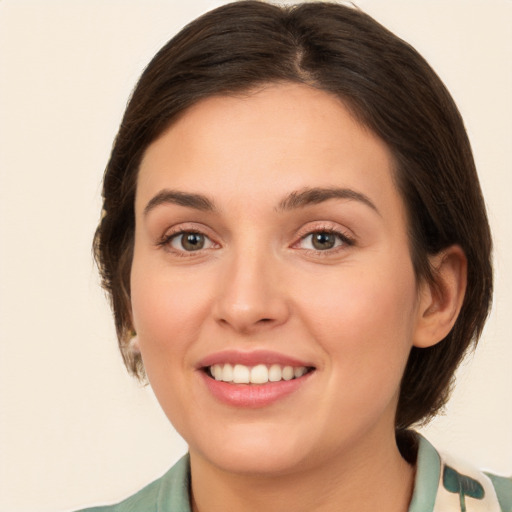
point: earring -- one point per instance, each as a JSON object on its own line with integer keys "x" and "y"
{"x": 133, "y": 344}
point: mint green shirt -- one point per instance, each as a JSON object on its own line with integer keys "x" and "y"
{"x": 441, "y": 485}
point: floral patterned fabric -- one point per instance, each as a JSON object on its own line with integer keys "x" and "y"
{"x": 444, "y": 484}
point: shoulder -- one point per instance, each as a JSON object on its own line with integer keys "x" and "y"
{"x": 444, "y": 483}
{"x": 169, "y": 493}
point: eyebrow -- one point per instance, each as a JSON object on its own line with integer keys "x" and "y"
{"x": 166, "y": 196}
{"x": 317, "y": 195}
{"x": 294, "y": 200}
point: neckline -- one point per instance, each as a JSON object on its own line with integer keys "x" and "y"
{"x": 174, "y": 492}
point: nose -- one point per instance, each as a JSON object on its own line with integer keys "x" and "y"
{"x": 251, "y": 297}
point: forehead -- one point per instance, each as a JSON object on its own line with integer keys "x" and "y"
{"x": 263, "y": 144}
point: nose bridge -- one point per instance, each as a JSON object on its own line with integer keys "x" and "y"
{"x": 250, "y": 295}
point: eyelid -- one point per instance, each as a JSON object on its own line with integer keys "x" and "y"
{"x": 183, "y": 228}
{"x": 345, "y": 235}
{"x": 173, "y": 238}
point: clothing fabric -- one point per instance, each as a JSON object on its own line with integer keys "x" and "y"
{"x": 441, "y": 485}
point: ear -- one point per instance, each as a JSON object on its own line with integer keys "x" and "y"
{"x": 441, "y": 301}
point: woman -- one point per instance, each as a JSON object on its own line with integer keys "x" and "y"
{"x": 298, "y": 256}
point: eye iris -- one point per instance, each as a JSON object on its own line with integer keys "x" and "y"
{"x": 323, "y": 240}
{"x": 192, "y": 241}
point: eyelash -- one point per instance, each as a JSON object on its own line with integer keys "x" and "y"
{"x": 165, "y": 242}
{"x": 346, "y": 241}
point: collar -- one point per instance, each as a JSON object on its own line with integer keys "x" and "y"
{"x": 442, "y": 484}
{"x": 445, "y": 484}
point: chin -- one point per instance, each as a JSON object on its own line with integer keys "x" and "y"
{"x": 256, "y": 453}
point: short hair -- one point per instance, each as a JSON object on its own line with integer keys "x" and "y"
{"x": 387, "y": 86}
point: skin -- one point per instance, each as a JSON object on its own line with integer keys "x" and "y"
{"x": 353, "y": 311}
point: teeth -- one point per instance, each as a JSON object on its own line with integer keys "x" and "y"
{"x": 299, "y": 371}
{"x": 241, "y": 374}
{"x": 288, "y": 373}
{"x": 216, "y": 371}
{"x": 227, "y": 373}
{"x": 275, "y": 373}
{"x": 259, "y": 374}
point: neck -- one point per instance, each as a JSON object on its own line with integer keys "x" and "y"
{"x": 362, "y": 479}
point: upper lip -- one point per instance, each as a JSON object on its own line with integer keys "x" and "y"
{"x": 251, "y": 358}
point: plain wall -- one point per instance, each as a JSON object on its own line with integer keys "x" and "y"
{"x": 75, "y": 430}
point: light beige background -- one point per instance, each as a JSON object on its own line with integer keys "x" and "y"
{"x": 75, "y": 430}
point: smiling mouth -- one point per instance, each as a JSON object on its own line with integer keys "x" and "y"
{"x": 259, "y": 374}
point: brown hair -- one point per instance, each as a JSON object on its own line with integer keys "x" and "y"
{"x": 390, "y": 89}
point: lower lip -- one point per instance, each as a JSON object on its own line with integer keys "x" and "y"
{"x": 253, "y": 395}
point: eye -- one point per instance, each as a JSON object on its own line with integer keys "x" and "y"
{"x": 323, "y": 240}
{"x": 189, "y": 241}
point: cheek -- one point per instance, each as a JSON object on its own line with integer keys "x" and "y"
{"x": 365, "y": 321}
{"x": 166, "y": 310}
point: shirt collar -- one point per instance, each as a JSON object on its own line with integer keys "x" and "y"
{"x": 174, "y": 491}
{"x": 426, "y": 483}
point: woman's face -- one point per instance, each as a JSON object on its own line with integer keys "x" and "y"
{"x": 271, "y": 242}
